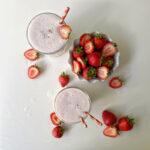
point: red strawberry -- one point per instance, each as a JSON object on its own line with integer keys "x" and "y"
{"x": 57, "y": 132}
{"x": 89, "y": 47}
{"x": 110, "y": 131}
{"x": 125, "y": 123}
{"x": 89, "y": 73}
{"x": 77, "y": 52}
{"x": 31, "y": 54}
{"x": 102, "y": 73}
{"x": 94, "y": 59}
{"x": 115, "y": 83}
{"x": 108, "y": 62}
{"x": 99, "y": 41}
{"x": 109, "y": 118}
{"x": 55, "y": 120}
{"x": 65, "y": 31}
{"x": 33, "y": 71}
{"x": 84, "y": 38}
{"x": 76, "y": 67}
{"x": 64, "y": 79}
{"x": 83, "y": 62}
{"x": 109, "y": 50}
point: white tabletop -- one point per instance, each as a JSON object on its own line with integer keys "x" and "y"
{"x": 25, "y": 104}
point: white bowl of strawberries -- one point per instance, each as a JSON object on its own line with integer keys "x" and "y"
{"x": 94, "y": 56}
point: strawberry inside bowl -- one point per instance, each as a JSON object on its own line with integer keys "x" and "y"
{"x": 94, "y": 56}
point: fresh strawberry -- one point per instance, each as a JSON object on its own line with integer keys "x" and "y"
{"x": 55, "y": 120}
{"x": 84, "y": 38}
{"x": 77, "y": 52}
{"x": 108, "y": 62}
{"x": 94, "y": 59}
{"x": 31, "y": 54}
{"x": 64, "y": 79}
{"x": 110, "y": 131}
{"x": 89, "y": 73}
{"x": 65, "y": 31}
{"x": 102, "y": 73}
{"x": 125, "y": 123}
{"x": 89, "y": 47}
{"x": 76, "y": 67}
{"x": 109, "y": 50}
{"x": 57, "y": 132}
{"x": 115, "y": 83}
{"x": 33, "y": 71}
{"x": 109, "y": 118}
{"x": 99, "y": 41}
{"x": 83, "y": 62}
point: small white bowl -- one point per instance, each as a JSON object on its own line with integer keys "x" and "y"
{"x": 116, "y": 58}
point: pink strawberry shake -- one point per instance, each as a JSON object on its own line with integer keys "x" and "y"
{"x": 43, "y": 34}
{"x": 70, "y": 104}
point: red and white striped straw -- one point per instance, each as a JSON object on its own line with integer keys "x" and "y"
{"x": 65, "y": 14}
{"x": 83, "y": 122}
{"x": 93, "y": 118}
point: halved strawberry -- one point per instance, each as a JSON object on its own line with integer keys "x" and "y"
{"x": 55, "y": 120}
{"x": 102, "y": 73}
{"x": 84, "y": 38}
{"x": 109, "y": 50}
{"x": 65, "y": 31}
{"x": 76, "y": 67}
{"x": 31, "y": 54}
{"x": 33, "y": 71}
{"x": 89, "y": 73}
{"x": 110, "y": 131}
{"x": 115, "y": 83}
{"x": 83, "y": 62}
{"x": 89, "y": 47}
{"x": 77, "y": 52}
{"x": 108, "y": 62}
{"x": 99, "y": 40}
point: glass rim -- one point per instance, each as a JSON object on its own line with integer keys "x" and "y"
{"x": 27, "y": 30}
{"x": 71, "y": 123}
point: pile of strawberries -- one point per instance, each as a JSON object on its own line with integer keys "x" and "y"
{"x": 93, "y": 57}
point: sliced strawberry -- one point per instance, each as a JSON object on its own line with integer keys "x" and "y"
{"x": 77, "y": 52}
{"x": 64, "y": 79}
{"x": 33, "y": 71}
{"x": 89, "y": 47}
{"x": 89, "y": 73}
{"x": 94, "y": 59}
{"x": 115, "y": 83}
{"x": 55, "y": 120}
{"x": 109, "y": 50}
{"x": 99, "y": 40}
{"x": 102, "y": 73}
{"x": 110, "y": 131}
{"x": 84, "y": 38}
{"x": 108, "y": 62}
{"x": 31, "y": 54}
{"x": 83, "y": 62}
{"x": 76, "y": 67}
{"x": 65, "y": 31}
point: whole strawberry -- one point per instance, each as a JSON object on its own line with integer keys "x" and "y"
{"x": 57, "y": 132}
{"x": 89, "y": 73}
{"x": 64, "y": 79}
{"x": 99, "y": 40}
{"x": 125, "y": 123}
{"x": 77, "y": 52}
{"x": 94, "y": 59}
{"x": 109, "y": 118}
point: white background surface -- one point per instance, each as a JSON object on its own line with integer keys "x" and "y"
{"x": 25, "y": 104}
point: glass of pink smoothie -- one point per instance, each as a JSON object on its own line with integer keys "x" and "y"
{"x": 43, "y": 34}
{"x": 70, "y": 105}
